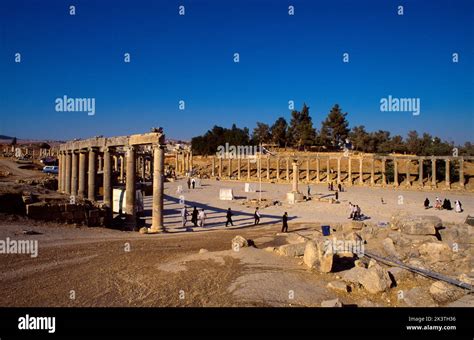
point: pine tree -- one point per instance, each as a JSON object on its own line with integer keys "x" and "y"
{"x": 335, "y": 129}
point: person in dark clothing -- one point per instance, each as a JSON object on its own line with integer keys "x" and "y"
{"x": 426, "y": 203}
{"x": 339, "y": 187}
{"x": 188, "y": 182}
{"x": 229, "y": 218}
{"x": 445, "y": 204}
{"x": 194, "y": 217}
{"x": 448, "y": 205}
{"x": 256, "y": 216}
{"x": 284, "y": 228}
{"x": 337, "y": 195}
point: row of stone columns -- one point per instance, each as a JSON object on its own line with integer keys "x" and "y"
{"x": 183, "y": 162}
{"x": 349, "y": 179}
{"x": 74, "y": 176}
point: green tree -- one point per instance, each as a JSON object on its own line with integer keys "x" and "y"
{"x": 335, "y": 129}
{"x": 279, "y": 132}
{"x": 261, "y": 133}
{"x": 301, "y": 131}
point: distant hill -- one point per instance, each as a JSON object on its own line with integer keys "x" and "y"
{"x": 5, "y": 137}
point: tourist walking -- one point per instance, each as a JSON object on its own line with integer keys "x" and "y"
{"x": 202, "y": 218}
{"x": 184, "y": 216}
{"x": 284, "y": 227}
{"x": 188, "y": 182}
{"x": 256, "y": 216}
{"x": 194, "y": 217}
{"x": 193, "y": 183}
{"x": 458, "y": 206}
{"x": 229, "y": 218}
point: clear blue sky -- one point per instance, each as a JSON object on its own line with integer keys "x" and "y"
{"x": 190, "y": 58}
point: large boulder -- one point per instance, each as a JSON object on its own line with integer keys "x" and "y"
{"x": 418, "y": 297}
{"x": 292, "y": 250}
{"x": 443, "y": 292}
{"x": 374, "y": 279}
{"x": 389, "y": 248}
{"x": 239, "y": 242}
{"x": 338, "y": 286}
{"x": 311, "y": 255}
{"x": 416, "y": 225}
{"x": 399, "y": 274}
{"x": 435, "y": 252}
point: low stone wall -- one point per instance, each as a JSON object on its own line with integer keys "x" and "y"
{"x": 85, "y": 214}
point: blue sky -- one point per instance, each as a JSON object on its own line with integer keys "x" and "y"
{"x": 190, "y": 58}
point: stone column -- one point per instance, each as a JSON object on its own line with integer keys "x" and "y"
{"x": 122, "y": 165}
{"x": 461, "y": 172}
{"x": 318, "y": 178}
{"x": 361, "y": 170}
{"x": 74, "y": 172}
{"x": 191, "y": 161}
{"x": 213, "y": 170}
{"x": 407, "y": 170}
{"x": 143, "y": 167}
{"x": 268, "y": 167}
{"x": 229, "y": 168}
{"x": 220, "y": 167}
{"x": 248, "y": 168}
{"x": 338, "y": 170}
{"x": 278, "y": 168}
{"x": 158, "y": 187}
{"x": 433, "y": 172}
{"x": 130, "y": 187}
{"x": 92, "y": 174}
{"x": 288, "y": 169}
{"x": 82, "y": 174}
{"x": 420, "y": 172}
{"x": 115, "y": 163}
{"x": 183, "y": 163}
{"x": 372, "y": 172}
{"x": 395, "y": 172}
{"x": 108, "y": 177}
{"x": 328, "y": 175}
{"x": 384, "y": 175}
{"x": 68, "y": 172}
{"x": 176, "y": 164}
{"x": 349, "y": 169}
{"x": 447, "y": 176}
{"x": 61, "y": 172}
{"x": 239, "y": 165}
{"x": 307, "y": 170}
{"x": 99, "y": 167}
{"x": 294, "y": 187}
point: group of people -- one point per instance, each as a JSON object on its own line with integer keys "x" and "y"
{"x": 444, "y": 204}
{"x": 331, "y": 186}
{"x": 191, "y": 182}
{"x": 198, "y": 218}
{"x": 355, "y": 212}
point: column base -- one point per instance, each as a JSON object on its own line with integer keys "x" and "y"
{"x": 294, "y": 197}
{"x": 156, "y": 229}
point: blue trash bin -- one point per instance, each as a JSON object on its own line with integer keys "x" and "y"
{"x": 326, "y": 230}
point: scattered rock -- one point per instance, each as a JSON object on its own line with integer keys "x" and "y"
{"x": 292, "y": 250}
{"x": 326, "y": 258}
{"x": 466, "y": 301}
{"x": 375, "y": 279}
{"x": 202, "y": 251}
{"x": 357, "y": 225}
{"x": 239, "y": 242}
{"x": 331, "y": 303}
{"x": 417, "y": 297}
{"x": 311, "y": 256}
{"x": 270, "y": 249}
{"x": 435, "y": 252}
{"x": 399, "y": 274}
{"x": 389, "y": 248}
{"x": 360, "y": 263}
{"x": 338, "y": 286}
{"x": 143, "y": 230}
{"x": 372, "y": 263}
{"x": 466, "y": 279}
{"x": 416, "y": 225}
{"x": 443, "y": 292}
